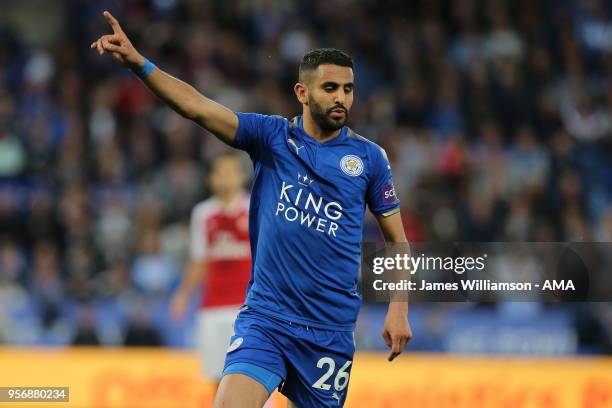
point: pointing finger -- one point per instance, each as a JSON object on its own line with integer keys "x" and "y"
{"x": 394, "y": 353}
{"x": 113, "y": 22}
{"x": 395, "y": 348}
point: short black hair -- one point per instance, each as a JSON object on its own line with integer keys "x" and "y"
{"x": 320, "y": 56}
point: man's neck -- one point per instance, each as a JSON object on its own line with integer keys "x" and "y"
{"x": 313, "y": 130}
{"x": 228, "y": 198}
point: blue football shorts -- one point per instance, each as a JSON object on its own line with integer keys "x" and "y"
{"x": 310, "y": 366}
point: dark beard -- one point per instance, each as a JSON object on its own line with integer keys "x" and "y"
{"x": 322, "y": 118}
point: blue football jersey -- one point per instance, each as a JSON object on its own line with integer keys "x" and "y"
{"x": 306, "y": 217}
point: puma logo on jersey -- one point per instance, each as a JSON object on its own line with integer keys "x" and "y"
{"x": 295, "y": 146}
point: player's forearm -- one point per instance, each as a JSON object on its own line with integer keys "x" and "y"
{"x": 393, "y": 232}
{"x": 191, "y": 104}
{"x": 180, "y": 96}
{"x": 399, "y": 307}
{"x": 392, "y": 228}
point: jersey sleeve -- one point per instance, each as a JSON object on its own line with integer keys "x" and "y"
{"x": 198, "y": 237}
{"x": 381, "y": 196}
{"x": 255, "y": 132}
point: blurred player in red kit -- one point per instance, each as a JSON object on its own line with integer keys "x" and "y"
{"x": 220, "y": 258}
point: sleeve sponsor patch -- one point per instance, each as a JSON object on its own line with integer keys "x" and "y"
{"x": 388, "y": 193}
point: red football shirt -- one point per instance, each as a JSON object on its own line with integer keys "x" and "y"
{"x": 220, "y": 238}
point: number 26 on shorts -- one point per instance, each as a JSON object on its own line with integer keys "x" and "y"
{"x": 342, "y": 377}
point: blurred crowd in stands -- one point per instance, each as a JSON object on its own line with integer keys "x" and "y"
{"x": 496, "y": 115}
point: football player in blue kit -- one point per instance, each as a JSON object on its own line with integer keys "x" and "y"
{"x": 313, "y": 178}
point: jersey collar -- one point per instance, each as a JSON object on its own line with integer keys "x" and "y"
{"x": 297, "y": 124}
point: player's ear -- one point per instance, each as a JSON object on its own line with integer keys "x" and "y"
{"x": 301, "y": 91}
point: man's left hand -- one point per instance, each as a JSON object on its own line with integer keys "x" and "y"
{"x": 396, "y": 329}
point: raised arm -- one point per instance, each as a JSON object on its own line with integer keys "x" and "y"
{"x": 181, "y": 97}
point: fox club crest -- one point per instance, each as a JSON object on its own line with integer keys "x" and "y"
{"x": 351, "y": 165}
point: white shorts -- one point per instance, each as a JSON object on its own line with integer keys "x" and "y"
{"x": 215, "y": 326}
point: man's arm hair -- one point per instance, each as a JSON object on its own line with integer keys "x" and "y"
{"x": 181, "y": 97}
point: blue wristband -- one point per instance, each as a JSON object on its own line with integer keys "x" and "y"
{"x": 145, "y": 70}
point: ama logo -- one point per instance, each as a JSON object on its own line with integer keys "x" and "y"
{"x": 296, "y": 203}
